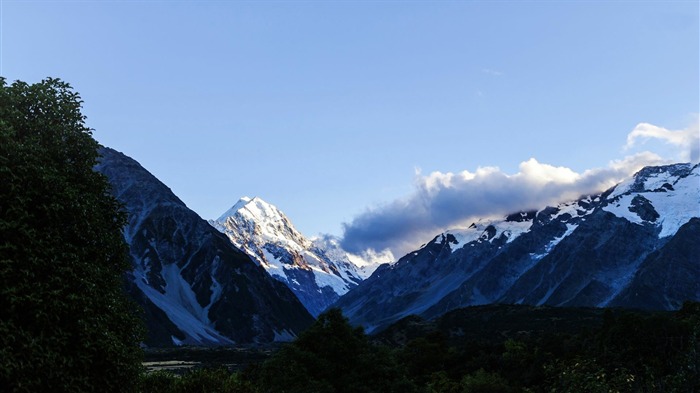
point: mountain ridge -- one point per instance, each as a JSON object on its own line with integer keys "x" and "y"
{"x": 527, "y": 257}
{"x": 194, "y": 286}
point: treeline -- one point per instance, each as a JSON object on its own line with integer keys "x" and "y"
{"x": 629, "y": 352}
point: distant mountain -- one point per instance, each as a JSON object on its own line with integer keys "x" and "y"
{"x": 195, "y": 287}
{"x": 635, "y": 245}
{"x": 318, "y": 272}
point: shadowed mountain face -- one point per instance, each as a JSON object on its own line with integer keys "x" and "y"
{"x": 632, "y": 246}
{"x": 195, "y": 287}
{"x": 672, "y": 270}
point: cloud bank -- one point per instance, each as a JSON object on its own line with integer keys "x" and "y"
{"x": 442, "y": 201}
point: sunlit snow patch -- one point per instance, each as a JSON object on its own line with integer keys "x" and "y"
{"x": 675, "y": 205}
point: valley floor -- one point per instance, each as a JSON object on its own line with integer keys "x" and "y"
{"x": 181, "y": 359}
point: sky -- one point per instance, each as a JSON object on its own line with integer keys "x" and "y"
{"x": 380, "y": 122}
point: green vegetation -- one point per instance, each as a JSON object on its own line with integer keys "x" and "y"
{"x": 65, "y": 324}
{"x": 626, "y": 352}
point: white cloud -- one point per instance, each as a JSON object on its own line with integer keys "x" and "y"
{"x": 442, "y": 201}
{"x": 687, "y": 141}
{"x": 535, "y": 172}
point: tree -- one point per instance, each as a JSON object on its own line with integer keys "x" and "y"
{"x": 484, "y": 382}
{"x": 332, "y": 356}
{"x": 65, "y": 323}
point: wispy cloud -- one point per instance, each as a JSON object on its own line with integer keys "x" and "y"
{"x": 687, "y": 141}
{"x": 442, "y": 201}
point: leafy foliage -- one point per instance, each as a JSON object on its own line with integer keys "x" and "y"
{"x": 65, "y": 324}
{"x": 483, "y": 382}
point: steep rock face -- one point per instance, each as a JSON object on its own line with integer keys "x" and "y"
{"x": 386, "y": 297}
{"x": 194, "y": 286}
{"x": 588, "y": 267}
{"x": 268, "y": 236}
{"x": 472, "y": 266}
{"x": 668, "y": 276}
{"x": 633, "y": 246}
{"x": 515, "y": 256}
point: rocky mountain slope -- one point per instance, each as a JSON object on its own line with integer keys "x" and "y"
{"x": 195, "y": 287}
{"x": 318, "y": 272}
{"x": 634, "y": 245}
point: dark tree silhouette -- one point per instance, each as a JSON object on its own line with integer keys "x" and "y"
{"x": 65, "y": 324}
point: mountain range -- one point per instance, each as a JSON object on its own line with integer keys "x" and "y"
{"x": 251, "y": 277}
{"x": 635, "y": 245}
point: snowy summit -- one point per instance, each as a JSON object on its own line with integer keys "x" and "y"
{"x": 318, "y": 272}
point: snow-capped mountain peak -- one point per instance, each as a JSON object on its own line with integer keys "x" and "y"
{"x": 237, "y": 206}
{"x": 317, "y": 274}
{"x": 262, "y": 220}
{"x": 254, "y": 207}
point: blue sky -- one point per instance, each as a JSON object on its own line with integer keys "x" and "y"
{"x": 351, "y": 116}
